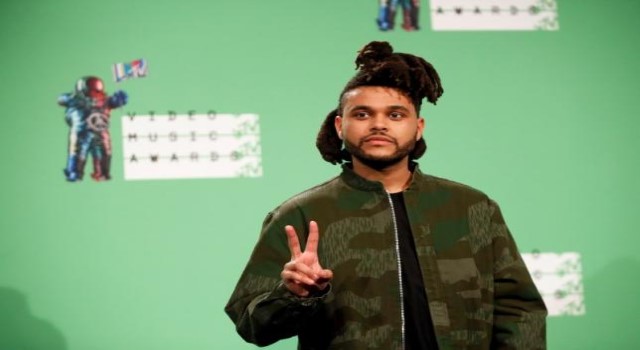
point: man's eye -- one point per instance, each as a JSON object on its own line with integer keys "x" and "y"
{"x": 396, "y": 115}
{"x": 361, "y": 114}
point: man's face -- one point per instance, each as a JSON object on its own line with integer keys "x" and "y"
{"x": 379, "y": 126}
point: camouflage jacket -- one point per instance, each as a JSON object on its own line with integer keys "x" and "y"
{"x": 480, "y": 293}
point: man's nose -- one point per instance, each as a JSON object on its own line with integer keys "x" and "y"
{"x": 379, "y": 122}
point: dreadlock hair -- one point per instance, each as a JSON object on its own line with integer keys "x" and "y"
{"x": 378, "y": 65}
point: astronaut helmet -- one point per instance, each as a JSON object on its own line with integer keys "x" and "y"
{"x": 90, "y": 86}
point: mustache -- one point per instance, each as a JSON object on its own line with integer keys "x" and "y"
{"x": 378, "y": 135}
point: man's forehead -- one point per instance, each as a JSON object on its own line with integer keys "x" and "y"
{"x": 363, "y": 92}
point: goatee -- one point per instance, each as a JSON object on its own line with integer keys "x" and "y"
{"x": 380, "y": 162}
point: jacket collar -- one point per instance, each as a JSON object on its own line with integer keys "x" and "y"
{"x": 356, "y": 181}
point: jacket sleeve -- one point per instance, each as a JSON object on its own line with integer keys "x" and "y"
{"x": 263, "y": 310}
{"x": 519, "y": 313}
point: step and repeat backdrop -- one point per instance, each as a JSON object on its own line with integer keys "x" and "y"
{"x": 144, "y": 142}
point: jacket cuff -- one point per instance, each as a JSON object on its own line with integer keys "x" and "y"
{"x": 311, "y": 300}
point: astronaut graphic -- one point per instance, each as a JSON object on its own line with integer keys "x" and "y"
{"x": 387, "y": 14}
{"x": 87, "y": 112}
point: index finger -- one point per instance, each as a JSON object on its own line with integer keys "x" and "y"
{"x": 312, "y": 240}
{"x": 292, "y": 239}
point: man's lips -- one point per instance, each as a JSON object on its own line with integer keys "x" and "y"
{"x": 377, "y": 139}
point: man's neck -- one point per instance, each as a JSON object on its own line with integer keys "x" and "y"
{"x": 395, "y": 178}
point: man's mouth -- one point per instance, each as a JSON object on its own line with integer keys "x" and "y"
{"x": 377, "y": 139}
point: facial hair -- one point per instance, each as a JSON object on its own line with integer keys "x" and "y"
{"x": 380, "y": 162}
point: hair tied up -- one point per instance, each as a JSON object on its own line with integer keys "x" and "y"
{"x": 373, "y": 54}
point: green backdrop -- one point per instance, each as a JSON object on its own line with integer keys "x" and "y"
{"x": 545, "y": 122}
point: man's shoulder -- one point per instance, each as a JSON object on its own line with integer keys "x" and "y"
{"x": 322, "y": 191}
{"x": 435, "y": 183}
{"x": 446, "y": 197}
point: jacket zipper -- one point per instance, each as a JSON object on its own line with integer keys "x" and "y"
{"x": 397, "y": 238}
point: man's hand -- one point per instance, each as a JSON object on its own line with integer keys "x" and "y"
{"x": 303, "y": 275}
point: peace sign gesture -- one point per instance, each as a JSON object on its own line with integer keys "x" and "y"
{"x": 303, "y": 275}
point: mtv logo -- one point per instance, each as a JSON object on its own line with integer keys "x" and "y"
{"x": 133, "y": 69}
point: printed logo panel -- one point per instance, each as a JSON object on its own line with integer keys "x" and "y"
{"x": 191, "y": 146}
{"x": 488, "y": 15}
{"x": 558, "y": 277}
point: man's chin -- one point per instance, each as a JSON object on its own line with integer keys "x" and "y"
{"x": 379, "y": 162}
{"x": 379, "y": 156}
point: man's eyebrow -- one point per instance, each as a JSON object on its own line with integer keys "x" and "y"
{"x": 396, "y": 107}
{"x": 391, "y": 107}
{"x": 367, "y": 108}
{"x": 361, "y": 107}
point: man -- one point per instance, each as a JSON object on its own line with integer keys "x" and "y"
{"x": 393, "y": 258}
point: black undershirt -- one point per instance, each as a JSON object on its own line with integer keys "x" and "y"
{"x": 419, "y": 333}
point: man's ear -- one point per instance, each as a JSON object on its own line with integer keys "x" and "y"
{"x": 420, "y": 129}
{"x": 337, "y": 122}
